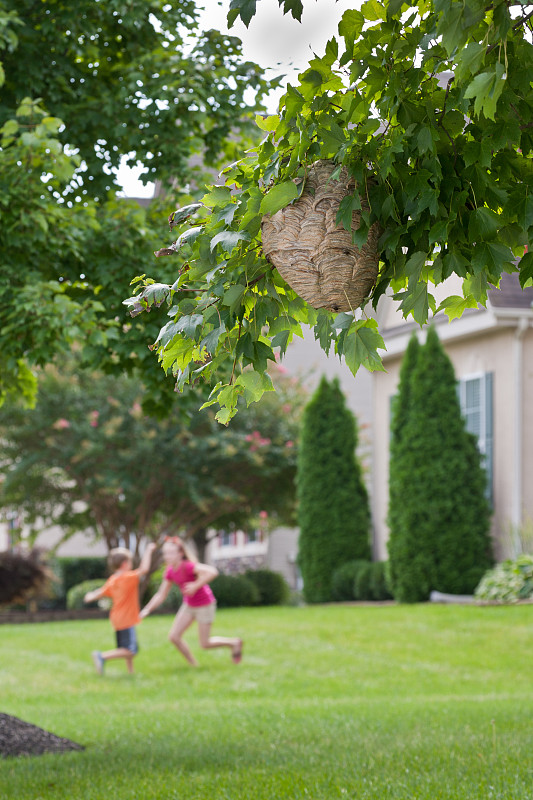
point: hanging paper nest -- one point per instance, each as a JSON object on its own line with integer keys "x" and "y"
{"x": 316, "y": 256}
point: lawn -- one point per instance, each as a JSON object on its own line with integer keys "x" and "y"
{"x": 413, "y": 702}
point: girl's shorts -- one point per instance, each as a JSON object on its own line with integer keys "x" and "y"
{"x": 200, "y": 613}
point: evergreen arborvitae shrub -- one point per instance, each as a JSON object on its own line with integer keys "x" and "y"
{"x": 438, "y": 513}
{"x": 333, "y": 511}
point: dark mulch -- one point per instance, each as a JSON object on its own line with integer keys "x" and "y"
{"x": 18, "y": 738}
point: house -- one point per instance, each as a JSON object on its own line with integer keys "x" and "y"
{"x": 491, "y": 350}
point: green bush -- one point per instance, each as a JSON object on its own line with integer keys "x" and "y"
{"x": 363, "y": 582}
{"x": 174, "y": 598}
{"x": 508, "y": 582}
{"x": 343, "y": 580}
{"x": 76, "y": 594}
{"x": 234, "y": 590}
{"x": 379, "y": 582}
{"x": 272, "y": 587}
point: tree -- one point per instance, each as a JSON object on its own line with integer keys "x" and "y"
{"x": 109, "y": 81}
{"x": 131, "y": 80}
{"x": 333, "y": 510}
{"x": 87, "y": 458}
{"x": 429, "y": 108}
{"x": 439, "y": 515}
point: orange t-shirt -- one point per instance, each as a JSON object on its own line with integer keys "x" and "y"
{"x": 123, "y": 589}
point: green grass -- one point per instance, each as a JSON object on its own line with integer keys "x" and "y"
{"x": 412, "y": 702}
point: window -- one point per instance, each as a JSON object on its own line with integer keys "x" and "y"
{"x": 226, "y": 538}
{"x": 475, "y": 397}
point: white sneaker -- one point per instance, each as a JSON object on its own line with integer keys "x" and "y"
{"x": 98, "y": 661}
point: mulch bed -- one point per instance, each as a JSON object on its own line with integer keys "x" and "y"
{"x": 18, "y": 738}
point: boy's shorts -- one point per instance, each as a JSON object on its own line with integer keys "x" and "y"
{"x": 127, "y": 638}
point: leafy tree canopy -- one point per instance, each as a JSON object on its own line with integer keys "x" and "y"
{"x": 108, "y": 80}
{"x": 132, "y": 79}
{"x": 429, "y": 106}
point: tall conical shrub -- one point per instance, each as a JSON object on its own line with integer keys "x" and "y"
{"x": 333, "y": 511}
{"x": 400, "y": 409}
{"x": 439, "y": 516}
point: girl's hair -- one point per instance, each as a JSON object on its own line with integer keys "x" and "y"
{"x": 117, "y": 556}
{"x": 180, "y": 544}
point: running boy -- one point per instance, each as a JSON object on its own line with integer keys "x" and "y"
{"x": 123, "y": 589}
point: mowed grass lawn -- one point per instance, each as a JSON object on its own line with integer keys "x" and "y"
{"x": 329, "y": 702}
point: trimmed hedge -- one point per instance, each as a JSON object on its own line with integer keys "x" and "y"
{"x": 77, "y": 570}
{"x": 272, "y": 587}
{"x": 232, "y": 591}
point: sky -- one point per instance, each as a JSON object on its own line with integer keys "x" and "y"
{"x": 273, "y": 40}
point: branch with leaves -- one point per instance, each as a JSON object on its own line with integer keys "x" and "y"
{"x": 445, "y": 166}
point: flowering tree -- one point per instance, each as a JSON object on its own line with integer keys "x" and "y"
{"x": 87, "y": 458}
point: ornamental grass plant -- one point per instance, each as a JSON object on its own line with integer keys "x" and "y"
{"x": 330, "y": 702}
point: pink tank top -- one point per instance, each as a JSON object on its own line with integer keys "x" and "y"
{"x": 185, "y": 574}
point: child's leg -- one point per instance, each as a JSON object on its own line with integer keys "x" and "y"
{"x": 182, "y": 621}
{"x": 207, "y": 641}
{"x": 120, "y": 652}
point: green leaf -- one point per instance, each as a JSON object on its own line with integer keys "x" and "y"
{"x": 210, "y": 342}
{"x": 373, "y": 10}
{"x": 189, "y": 325}
{"x": 483, "y": 224}
{"x": 361, "y": 345}
{"x": 477, "y": 286}
{"x": 269, "y": 123}
{"x": 245, "y": 9}
{"x": 350, "y": 28}
{"x": 454, "y": 306}
{"x": 279, "y": 196}
{"x": 416, "y": 301}
{"x": 233, "y": 296}
{"x": 229, "y": 240}
{"x": 255, "y": 385}
{"x": 425, "y": 140}
{"x": 294, "y": 6}
{"x": 486, "y": 89}
{"x": 181, "y": 214}
{"x": 415, "y": 265}
{"x": 217, "y": 196}
{"x": 470, "y": 60}
{"x": 525, "y": 266}
{"x": 491, "y": 257}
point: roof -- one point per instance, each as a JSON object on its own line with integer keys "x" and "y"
{"x": 510, "y": 294}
